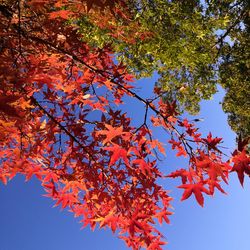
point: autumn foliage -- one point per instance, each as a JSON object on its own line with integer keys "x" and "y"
{"x": 61, "y": 121}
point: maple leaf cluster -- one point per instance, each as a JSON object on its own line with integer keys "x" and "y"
{"x": 61, "y": 121}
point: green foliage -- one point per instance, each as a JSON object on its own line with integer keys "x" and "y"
{"x": 235, "y": 77}
{"x": 187, "y": 43}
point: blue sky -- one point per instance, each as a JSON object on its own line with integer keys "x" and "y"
{"x": 28, "y": 221}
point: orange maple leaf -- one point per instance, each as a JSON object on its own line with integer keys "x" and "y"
{"x": 64, "y": 14}
{"x": 112, "y": 132}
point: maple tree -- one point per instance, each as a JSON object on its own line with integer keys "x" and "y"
{"x": 61, "y": 120}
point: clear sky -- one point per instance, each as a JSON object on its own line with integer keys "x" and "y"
{"x": 28, "y": 221}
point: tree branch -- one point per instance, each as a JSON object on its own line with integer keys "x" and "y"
{"x": 61, "y": 127}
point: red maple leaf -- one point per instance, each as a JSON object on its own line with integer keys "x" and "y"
{"x": 196, "y": 189}
{"x": 178, "y": 145}
{"x": 241, "y": 165}
{"x": 212, "y": 142}
{"x": 144, "y": 166}
{"x": 6, "y": 106}
{"x": 117, "y": 153}
{"x": 242, "y": 143}
{"x": 183, "y": 173}
{"x": 163, "y": 215}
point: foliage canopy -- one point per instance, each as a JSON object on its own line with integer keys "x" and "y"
{"x": 60, "y": 105}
